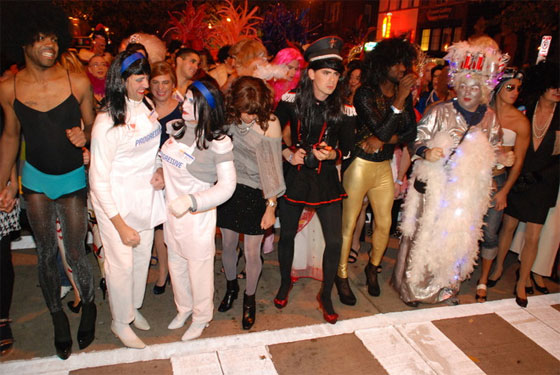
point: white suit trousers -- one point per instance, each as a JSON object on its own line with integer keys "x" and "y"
{"x": 193, "y": 285}
{"x": 126, "y": 270}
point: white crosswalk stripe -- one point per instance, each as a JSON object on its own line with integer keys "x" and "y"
{"x": 402, "y": 342}
{"x": 393, "y": 352}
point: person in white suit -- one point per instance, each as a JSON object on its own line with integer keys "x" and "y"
{"x": 126, "y": 189}
{"x": 199, "y": 175}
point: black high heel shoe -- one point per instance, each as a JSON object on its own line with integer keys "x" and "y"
{"x": 232, "y": 291}
{"x": 86, "y": 331}
{"x": 522, "y": 302}
{"x": 542, "y": 289}
{"x": 75, "y": 309}
{"x": 528, "y": 289}
{"x": 62, "y": 335}
{"x": 249, "y": 310}
{"x": 492, "y": 283}
{"x": 161, "y": 289}
{"x": 103, "y": 287}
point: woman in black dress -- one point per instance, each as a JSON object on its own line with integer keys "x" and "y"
{"x": 536, "y": 189}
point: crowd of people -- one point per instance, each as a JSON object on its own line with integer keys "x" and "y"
{"x": 166, "y": 152}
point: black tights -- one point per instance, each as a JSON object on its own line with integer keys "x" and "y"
{"x": 6, "y": 277}
{"x": 330, "y": 217}
{"x": 71, "y": 210}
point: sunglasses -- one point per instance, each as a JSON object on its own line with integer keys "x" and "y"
{"x": 510, "y": 87}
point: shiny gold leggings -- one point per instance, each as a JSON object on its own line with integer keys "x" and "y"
{"x": 376, "y": 180}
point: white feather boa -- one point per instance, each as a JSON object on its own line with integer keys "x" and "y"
{"x": 446, "y": 235}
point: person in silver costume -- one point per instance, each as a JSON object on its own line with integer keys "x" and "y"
{"x": 456, "y": 148}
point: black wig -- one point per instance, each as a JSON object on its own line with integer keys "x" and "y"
{"x": 210, "y": 121}
{"x": 387, "y": 53}
{"x": 22, "y": 22}
{"x": 115, "y": 85}
{"x": 305, "y": 98}
{"x": 539, "y": 78}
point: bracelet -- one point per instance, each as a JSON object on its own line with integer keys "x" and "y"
{"x": 399, "y": 181}
{"x": 396, "y": 110}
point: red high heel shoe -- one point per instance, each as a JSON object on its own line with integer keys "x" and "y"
{"x": 281, "y": 303}
{"x": 330, "y": 318}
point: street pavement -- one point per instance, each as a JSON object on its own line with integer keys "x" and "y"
{"x": 379, "y": 335}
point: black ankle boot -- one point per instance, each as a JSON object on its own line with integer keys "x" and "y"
{"x": 344, "y": 292}
{"x": 62, "y": 335}
{"x": 249, "y": 310}
{"x": 103, "y": 287}
{"x": 86, "y": 331}
{"x": 372, "y": 283}
{"x": 231, "y": 295}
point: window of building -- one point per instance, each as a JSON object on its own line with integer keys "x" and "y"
{"x": 332, "y": 14}
{"x": 446, "y": 38}
{"x": 383, "y": 5}
{"x": 425, "y": 42}
{"x": 415, "y": 3}
{"x": 394, "y": 4}
{"x": 406, "y": 4}
{"x": 367, "y": 13}
{"x": 457, "y": 34}
{"x": 435, "y": 39}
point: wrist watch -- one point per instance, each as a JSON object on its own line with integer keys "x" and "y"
{"x": 271, "y": 203}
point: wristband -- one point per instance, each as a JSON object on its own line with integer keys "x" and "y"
{"x": 194, "y": 206}
{"x": 396, "y": 110}
{"x": 422, "y": 151}
{"x": 399, "y": 181}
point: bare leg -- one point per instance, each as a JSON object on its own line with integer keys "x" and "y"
{"x": 161, "y": 251}
{"x": 509, "y": 224}
{"x": 528, "y": 255}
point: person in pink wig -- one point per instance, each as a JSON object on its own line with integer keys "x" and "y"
{"x": 293, "y": 59}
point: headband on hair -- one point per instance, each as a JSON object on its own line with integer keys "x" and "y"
{"x": 506, "y": 75}
{"x": 130, "y": 59}
{"x": 510, "y": 73}
{"x": 207, "y": 94}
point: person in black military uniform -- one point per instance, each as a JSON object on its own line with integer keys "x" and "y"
{"x": 321, "y": 133}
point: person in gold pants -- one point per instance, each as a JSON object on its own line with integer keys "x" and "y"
{"x": 385, "y": 117}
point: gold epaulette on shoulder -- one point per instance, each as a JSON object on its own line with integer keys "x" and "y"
{"x": 289, "y": 97}
{"x": 349, "y": 110}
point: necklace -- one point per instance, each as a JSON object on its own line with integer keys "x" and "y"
{"x": 244, "y": 128}
{"x": 539, "y": 132}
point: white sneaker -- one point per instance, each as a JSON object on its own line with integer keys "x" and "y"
{"x": 127, "y": 335}
{"x": 194, "y": 331}
{"x": 64, "y": 290}
{"x": 140, "y": 322}
{"x": 179, "y": 320}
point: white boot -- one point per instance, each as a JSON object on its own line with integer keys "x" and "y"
{"x": 127, "y": 335}
{"x": 179, "y": 320}
{"x": 194, "y": 331}
{"x": 140, "y": 322}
